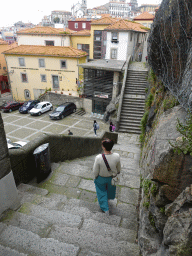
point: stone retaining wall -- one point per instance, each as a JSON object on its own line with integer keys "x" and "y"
{"x": 57, "y": 99}
{"x": 165, "y": 176}
{"x": 62, "y": 148}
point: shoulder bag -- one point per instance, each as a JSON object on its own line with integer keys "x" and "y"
{"x": 115, "y": 179}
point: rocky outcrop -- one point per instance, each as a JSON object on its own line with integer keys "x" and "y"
{"x": 170, "y": 50}
{"x": 165, "y": 207}
{"x": 111, "y": 110}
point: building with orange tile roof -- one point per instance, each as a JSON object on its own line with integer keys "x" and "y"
{"x": 148, "y": 8}
{"x": 125, "y": 38}
{"x": 145, "y": 18}
{"x": 4, "y": 84}
{"x": 35, "y": 68}
{"x": 44, "y": 36}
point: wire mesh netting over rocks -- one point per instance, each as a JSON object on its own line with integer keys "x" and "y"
{"x": 170, "y": 48}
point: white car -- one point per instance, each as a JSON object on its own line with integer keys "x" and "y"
{"x": 15, "y": 145}
{"x": 41, "y": 108}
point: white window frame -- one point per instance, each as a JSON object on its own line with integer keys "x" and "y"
{"x": 43, "y": 81}
{"x": 20, "y": 64}
{"x": 22, "y": 78}
{"x": 113, "y": 54}
{"x": 76, "y": 25}
{"x": 65, "y": 64}
{"x": 40, "y": 63}
{"x": 83, "y": 25}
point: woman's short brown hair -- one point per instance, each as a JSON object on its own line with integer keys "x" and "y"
{"x": 108, "y": 144}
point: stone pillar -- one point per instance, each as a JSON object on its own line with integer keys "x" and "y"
{"x": 8, "y": 192}
{"x": 115, "y": 85}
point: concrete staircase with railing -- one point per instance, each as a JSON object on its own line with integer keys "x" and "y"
{"x": 61, "y": 215}
{"x": 133, "y": 101}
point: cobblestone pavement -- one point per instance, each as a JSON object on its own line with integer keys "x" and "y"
{"x": 25, "y": 127}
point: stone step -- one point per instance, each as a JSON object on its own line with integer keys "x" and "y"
{"x": 132, "y": 106}
{"x": 32, "y": 244}
{"x": 130, "y": 127}
{"x": 132, "y": 121}
{"x": 97, "y": 242}
{"x": 134, "y": 100}
{"x": 136, "y": 81}
{"x": 32, "y": 189}
{"x": 52, "y": 216}
{"x": 6, "y": 251}
{"x": 125, "y": 130}
{"x": 134, "y": 93}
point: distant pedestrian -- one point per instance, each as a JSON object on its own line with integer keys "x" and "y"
{"x": 70, "y": 133}
{"x": 146, "y": 58}
{"x": 110, "y": 126}
{"x": 113, "y": 128}
{"x": 95, "y": 127}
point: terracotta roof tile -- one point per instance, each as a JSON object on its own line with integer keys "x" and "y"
{"x": 3, "y": 42}
{"x": 57, "y": 51}
{"x": 145, "y": 16}
{"x": 44, "y": 30}
{"x": 126, "y": 25}
{"x": 104, "y": 21}
{"x": 82, "y": 33}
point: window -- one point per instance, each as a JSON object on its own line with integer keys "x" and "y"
{"x": 79, "y": 46}
{"x": 49, "y": 43}
{"x": 21, "y": 62}
{"x": 0, "y": 65}
{"x": 24, "y": 77}
{"x": 83, "y": 25}
{"x": 41, "y": 63}
{"x": 76, "y": 25}
{"x": 113, "y": 53}
{"x": 114, "y": 37}
{"x": 63, "y": 64}
{"x": 43, "y": 78}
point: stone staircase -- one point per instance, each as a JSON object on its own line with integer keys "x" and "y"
{"x": 61, "y": 216}
{"x": 133, "y": 101}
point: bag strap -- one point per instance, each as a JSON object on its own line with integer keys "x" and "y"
{"x": 106, "y": 162}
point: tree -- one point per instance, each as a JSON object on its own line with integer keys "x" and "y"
{"x": 56, "y": 20}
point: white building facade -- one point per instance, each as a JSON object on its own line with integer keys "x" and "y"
{"x": 119, "y": 8}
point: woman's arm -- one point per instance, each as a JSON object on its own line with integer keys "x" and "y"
{"x": 118, "y": 166}
{"x": 96, "y": 167}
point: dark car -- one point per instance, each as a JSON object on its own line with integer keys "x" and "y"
{"x": 28, "y": 106}
{"x": 10, "y": 106}
{"x": 63, "y": 110}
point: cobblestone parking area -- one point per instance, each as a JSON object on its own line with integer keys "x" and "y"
{"x": 26, "y": 128}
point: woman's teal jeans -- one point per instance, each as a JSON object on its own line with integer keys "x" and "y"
{"x": 105, "y": 191}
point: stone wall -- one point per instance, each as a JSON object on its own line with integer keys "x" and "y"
{"x": 62, "y": 148}
{"x": 163, "y": 229}
{"x": 170, "y": 48}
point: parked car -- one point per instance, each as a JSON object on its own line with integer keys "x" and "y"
{"x": 41, "y": 108}
{"x": 63, "y": 110}
{"x": 12, "y": 105}
{"x": 27, "y": 106}
{"x": 15, "y": 145}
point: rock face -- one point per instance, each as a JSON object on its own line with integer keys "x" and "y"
{"x": 165, "y": 209}
{"x": 170, "y": 50}
{"x": 111, "y": 110}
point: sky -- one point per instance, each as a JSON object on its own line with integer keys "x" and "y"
{"x": 33, "y": 11}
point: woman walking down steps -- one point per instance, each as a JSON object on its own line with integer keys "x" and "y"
{"x": 106, "y": 191}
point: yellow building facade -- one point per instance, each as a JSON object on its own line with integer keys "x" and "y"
{"x": 37, "y": 68}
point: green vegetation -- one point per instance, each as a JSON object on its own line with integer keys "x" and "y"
{"x": 143, "y": 126}
{"x": 56, "y": 20}
{"x": 162, "y": 210}
{"x": 184, "y": 143}
{"x": 146, "y": 185}
{"x": 149, "y": 100}
{"x": 146, "y": 204}
{"x": 169, "y": 102}
{"x": 152, "y": 220}
{"x": 145, "y": 28}
{"x": 184, "y": 250}
{"x": 146, "y": 90}
{"x": 154, "y": 190}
